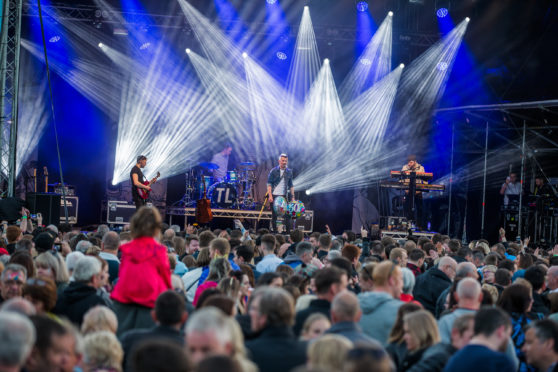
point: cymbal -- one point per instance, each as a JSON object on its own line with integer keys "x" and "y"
{"x": 209, "y": 165}
{"x": 247, "y": 163}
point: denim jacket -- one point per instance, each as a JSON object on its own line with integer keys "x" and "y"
{"x": 275, "y": 177}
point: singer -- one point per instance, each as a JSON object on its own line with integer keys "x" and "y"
{"x": 280, "y": 183}
{"x": 416, "y": 215}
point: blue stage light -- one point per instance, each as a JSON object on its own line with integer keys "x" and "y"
{"x": 54, "y": 39}
{"x": 442, "y": 12}
{"x": 442, "y": 66}
{"x": 271, "y": 1}
{"x": 362, "y": 6}
{"x": 281, "y": 55}
{"x": 145, "y": 46}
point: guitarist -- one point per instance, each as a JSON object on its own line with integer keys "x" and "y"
{"x": 137, "y": 178}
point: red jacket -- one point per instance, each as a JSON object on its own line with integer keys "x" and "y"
{"x": 144, "y": 272}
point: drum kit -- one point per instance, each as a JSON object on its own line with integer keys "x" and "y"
{"x": 235, "y": 191}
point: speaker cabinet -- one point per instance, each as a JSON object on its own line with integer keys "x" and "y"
{"x": 47, "y": 204}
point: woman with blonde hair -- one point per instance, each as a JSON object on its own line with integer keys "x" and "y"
{"x": 328, "y": 352}
{"x": 102, "y": 352}
{"x": 396, "y": 346}
{"x": 314, "y": 326}
{"x": 99, "y": 318}
{"x": 51, "y": 265}
{"x": 420, "y": 332}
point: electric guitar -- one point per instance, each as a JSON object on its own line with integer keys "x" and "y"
{"x": 45, "y": 173}
{"x": 144, "y": 194}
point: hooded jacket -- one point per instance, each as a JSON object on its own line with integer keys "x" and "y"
{"x": 76, "y": 300}
{"x": 379, "y": 311}
{"x": 144, "y": 272}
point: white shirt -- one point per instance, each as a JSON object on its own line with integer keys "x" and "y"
{"x": 512, "y": 189}
{"x": 223, "y": 162}
{"x": 280, "y": 188}
{"x": 268, "y": 264}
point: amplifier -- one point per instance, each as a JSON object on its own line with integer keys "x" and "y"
{"x": 72, "y": 204}
{"x": 305, "y": 222}
{"x": 120, "y": 212}
{"x": 48, "y": 204}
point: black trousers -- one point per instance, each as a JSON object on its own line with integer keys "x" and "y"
{"x": 139, "y": 202}
{"x": 287, "y": 221}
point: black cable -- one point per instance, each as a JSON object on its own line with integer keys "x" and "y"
{"x": 53, "y": 114}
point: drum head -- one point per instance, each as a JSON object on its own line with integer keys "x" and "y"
{"x": 223, "y": 195}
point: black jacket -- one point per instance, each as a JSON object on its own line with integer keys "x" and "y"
{"x": 277, "y": 350}
{"x": 316, "y": 306}
{"x": 434, "y": 358}
{"x": 76, "y": 300}
{"x": 132, "y": 338}
{"x": 429, "y": 286}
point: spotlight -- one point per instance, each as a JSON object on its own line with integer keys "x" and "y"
{"x": 282, "y": 56}
{"x": 271, "y": 1}
{"x": 442, "y": 12}
{"x": 442, "y": 66}
{"x": 467, "y": 19}
{"x": 244, "y": 55}
{"x": 307, "y": 192}
{"x": 54, "y": 39}
{"x": 390, "y": 13}
{"x": 188, "y": 51}
{"x": 101, "y": 45}
{"x": 362, "y": 6}
{"x": 365, "y": 61}
{"x": 326, "y": 61}
{"x": 402, "y": 65}
{"x": 144, "y": 46}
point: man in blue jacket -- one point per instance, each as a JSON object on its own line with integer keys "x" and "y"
{"x": 280, "y": 183}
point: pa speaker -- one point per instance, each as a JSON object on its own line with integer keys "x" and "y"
{"x": 47, "y": 204}
{"x": 10, "y": 209}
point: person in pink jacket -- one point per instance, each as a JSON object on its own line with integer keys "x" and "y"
{"x": 144, "y": 272}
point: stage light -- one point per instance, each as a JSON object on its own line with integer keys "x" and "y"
{"x": 390, "y": 13}
{"x": 188, "y": 51}
{"x": 326, "y": 61}
{"x": 244, "y": 55}
{"x": 467, "y": 19}
{"x": 365, "y": 61}
{"x": 442, "y": 12}
{"x": 54, "y": 39}
{"x": 307, "y": 192}
{"x": 281, "y": 56}
{"x": 101, "y": 45}
{"x": 144, "y": 46}
{"x": 402, "y": 65}
{"x": 442, "y": 66}
{"x": 271, "y": 1}
{"x": 362, "y": 6}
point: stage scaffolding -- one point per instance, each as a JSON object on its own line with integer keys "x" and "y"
{"x": 9, "y": 84}
{"x": 528, "y": 114}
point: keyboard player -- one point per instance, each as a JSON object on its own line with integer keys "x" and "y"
{"x": 413, "y": 166}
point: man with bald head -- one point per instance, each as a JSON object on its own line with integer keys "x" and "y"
{"x": 469, "y": 299}
{"x": 432, "y": 283}
{"x": 345, "y": 315}
{"x": 464, "y": 270}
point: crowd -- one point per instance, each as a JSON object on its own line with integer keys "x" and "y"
{"x": 155, "y": 298}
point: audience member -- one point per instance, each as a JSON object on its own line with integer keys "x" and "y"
{"x": 17, "y": 336}
{"x": 469, "y": 298}
{"x": 432, "y": 283}
{"x": 541, "y": 345}
{"x": 380, "y": 306}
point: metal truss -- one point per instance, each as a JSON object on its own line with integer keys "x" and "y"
{"x": 95, "y": 15}
{"x": 9, "y": 84}
{"x": 222, "y": 213}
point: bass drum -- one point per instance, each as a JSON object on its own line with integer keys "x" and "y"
{"x": 280, "y": 205}
{"x": 223, "y": 195}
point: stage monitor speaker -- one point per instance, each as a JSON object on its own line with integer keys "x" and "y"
{"x": 47, "y": 204}
{"x": 10, "y": 209}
